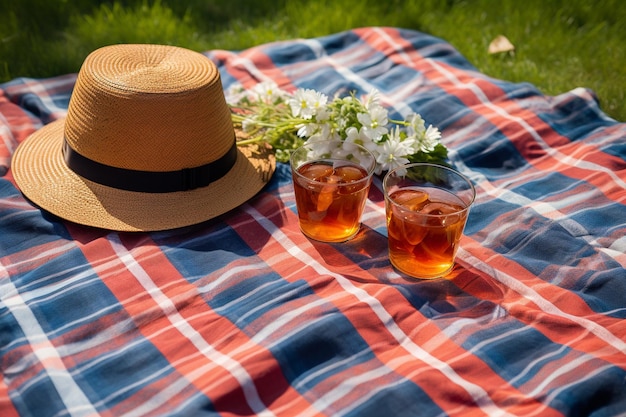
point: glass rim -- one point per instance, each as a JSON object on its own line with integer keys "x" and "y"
{"x": 369, "y": 172}
{"x": 471, "y": 188}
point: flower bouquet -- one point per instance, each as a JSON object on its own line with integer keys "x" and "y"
{"x": 287, "y": 120}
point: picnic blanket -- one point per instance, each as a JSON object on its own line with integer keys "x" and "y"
{"x": 243, "y": 315}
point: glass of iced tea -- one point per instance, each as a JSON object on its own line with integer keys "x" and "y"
{"x": 331, "y": 180}
{"x": 427, "y": 207}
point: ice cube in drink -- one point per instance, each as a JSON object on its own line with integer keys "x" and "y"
{"x": 424, "y": 228}
{"x": 330, "y": 198}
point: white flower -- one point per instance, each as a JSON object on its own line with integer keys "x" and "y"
{"x": 325, "y": 149}
{"x": 342, "y": 123}
{"x": 305, "y": 130}
{"x": 358, "y": 136}
{"x": 248, "y": 124}
{"x": 372, "y": 99}
{"x": 374, "y": 123}
{"x": 393, "y": 152}
{"x": 322, "y": 114}
{"x": 286, "y": 120}
{"x": 268, "y": 91}
{"x": 430, "y": 139}
{"x": 306, "y": 103}
{"x": 416, "y": 125}
{"x": 425, "y": 138}
{"x": 235, "y": 93}
{"x": 316, "y": 132}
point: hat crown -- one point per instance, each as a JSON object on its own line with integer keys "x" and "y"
{"x": 149, "y": 108}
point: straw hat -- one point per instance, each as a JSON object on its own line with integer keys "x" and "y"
{"x": 147, "y": 144}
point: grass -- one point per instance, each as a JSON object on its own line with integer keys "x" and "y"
{"x": 560, "y": 45}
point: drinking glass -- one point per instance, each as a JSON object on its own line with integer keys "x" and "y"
{"x": 427, "y": 207}
{"x": 331, "y": 180}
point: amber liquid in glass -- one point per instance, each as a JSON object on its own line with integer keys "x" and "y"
{"x": 330, "y": 199}
{"x": 424, "y": 230}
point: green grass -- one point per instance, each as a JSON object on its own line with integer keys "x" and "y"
{"x": 560, "y": 45}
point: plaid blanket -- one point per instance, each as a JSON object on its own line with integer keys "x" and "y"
{"x": 243, "y": 315}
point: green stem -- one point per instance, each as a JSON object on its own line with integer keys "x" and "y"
{"x": 249, "y": 141}
{"x": 398, "y": 122}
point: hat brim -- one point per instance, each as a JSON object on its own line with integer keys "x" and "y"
{"x": 43, "y": 177}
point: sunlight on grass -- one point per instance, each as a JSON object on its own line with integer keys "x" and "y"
{"x": 558, "y": 45}
{"x": 154, "y": 23}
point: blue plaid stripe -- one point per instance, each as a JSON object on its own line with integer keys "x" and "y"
{"x": 242, "y": 315}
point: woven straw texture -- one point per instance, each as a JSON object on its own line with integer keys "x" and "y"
{"x": 133, "y": 104}
{"x": 140, "y": 107}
